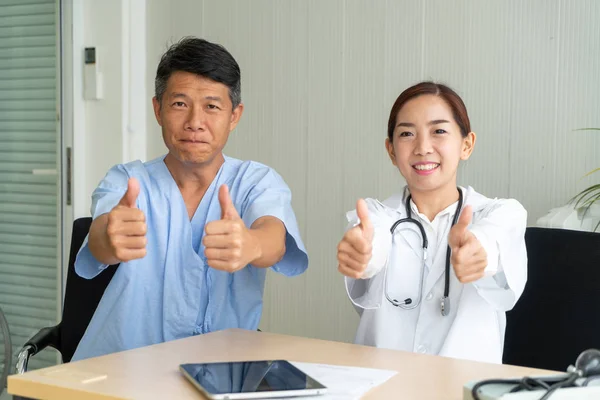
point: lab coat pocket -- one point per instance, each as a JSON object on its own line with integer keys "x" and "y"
{"x": 474, "y": 334}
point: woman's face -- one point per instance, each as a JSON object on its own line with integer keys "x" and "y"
{"x": 427, "y": 144}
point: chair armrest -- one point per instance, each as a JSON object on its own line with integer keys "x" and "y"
{"x": 49, "y": 336}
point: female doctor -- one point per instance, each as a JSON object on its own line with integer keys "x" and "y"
{"x": 434, "y": 268}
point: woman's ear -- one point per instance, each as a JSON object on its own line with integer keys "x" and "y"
{"x": 468, "y": 145}
{"x": 389, "y": 146}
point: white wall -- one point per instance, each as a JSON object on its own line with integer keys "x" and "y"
{"x": 102, "y": 137}
{"x": 319, "y": 78}
{"x": 112, "y": 129}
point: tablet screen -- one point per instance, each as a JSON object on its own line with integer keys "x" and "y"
{"x": 249, "y": 377}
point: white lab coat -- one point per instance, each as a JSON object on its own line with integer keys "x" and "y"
{"x": 474, "y": 329}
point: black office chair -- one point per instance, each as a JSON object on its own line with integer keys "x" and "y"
{"x": 558, "y": 315}
{"x": 81, "y": 300}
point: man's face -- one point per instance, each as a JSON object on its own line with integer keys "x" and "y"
{"x": 196, "y": 116}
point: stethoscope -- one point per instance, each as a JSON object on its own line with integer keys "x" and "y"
{"x": 408, "y": 303}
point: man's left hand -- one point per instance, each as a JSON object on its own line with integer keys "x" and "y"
{"x": 229, "y": 244}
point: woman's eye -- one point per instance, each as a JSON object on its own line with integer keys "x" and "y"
{"x": 405, "y": 134}
{"x": 440, "y": 131}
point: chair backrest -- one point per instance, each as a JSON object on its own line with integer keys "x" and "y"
{"x": 81, "y": 295}
{"x": 558, "y": 315}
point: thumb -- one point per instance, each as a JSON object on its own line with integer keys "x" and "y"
{"x": 228, "y": 210}
{"x": 365, "y": 223}
{"x": 130, "y": 196}
{"x": 459, "y": 230}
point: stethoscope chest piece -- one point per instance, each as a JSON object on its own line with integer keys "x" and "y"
{"x": 445, "y": 305}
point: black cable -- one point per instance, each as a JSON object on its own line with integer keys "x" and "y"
{"x": 566, "y": 383}
{"x": 478, "y": 385}
{"x": 527, "y": 383}
{"x": 587, "y": 366}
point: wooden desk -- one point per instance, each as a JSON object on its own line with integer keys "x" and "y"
{"x": 152, "y": 372}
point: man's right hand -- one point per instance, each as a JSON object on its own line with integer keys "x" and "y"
{"x": 125, "y": 237}
{"x": 355, "y": 248}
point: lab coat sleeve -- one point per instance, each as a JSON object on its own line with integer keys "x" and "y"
{"x": 105, "y": 197}
{"x": 501, "y": 231}
{"x": 367, "y": 292}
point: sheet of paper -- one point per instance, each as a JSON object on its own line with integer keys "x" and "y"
{"x": 345, "y": 382}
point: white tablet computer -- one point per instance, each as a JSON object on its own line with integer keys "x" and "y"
{"x": 251, "y": 380}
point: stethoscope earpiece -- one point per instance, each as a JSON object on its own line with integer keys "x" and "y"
{"x": 397, "y": 303}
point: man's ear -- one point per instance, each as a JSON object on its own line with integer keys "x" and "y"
{"x": 236, "y": 115}
{"x": 156, "y": 106}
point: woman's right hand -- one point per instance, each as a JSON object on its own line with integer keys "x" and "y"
{"x": 356, "y": 247}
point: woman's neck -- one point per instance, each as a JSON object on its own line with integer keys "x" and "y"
{"x": 431, "y": 203}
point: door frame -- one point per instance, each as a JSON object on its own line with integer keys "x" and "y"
{"x": 72, "y": 119}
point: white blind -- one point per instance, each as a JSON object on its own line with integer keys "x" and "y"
{"x": 28, "y": 142}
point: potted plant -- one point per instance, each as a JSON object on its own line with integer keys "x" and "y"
{"x": 585, "y": 199}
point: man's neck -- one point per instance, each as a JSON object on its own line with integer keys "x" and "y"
{"x": 432, "y": 203}
{"x": 194, "y": 177}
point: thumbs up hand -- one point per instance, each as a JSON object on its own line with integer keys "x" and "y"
{"x": 355, "y": 248}
{"x": 469, "y": 258}
{"x": 126, "y": 226}
{"x": 229, "y": 245}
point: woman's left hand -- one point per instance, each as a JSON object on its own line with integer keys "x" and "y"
{"x": 469, "y": 258}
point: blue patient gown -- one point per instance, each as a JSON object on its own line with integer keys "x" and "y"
{"x": 172, "y": 293}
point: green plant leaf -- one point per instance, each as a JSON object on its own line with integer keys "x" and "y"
{"x": 586, "y": 198}
{"x": 584, "y": 193}
{"x": 591, "y": 172}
